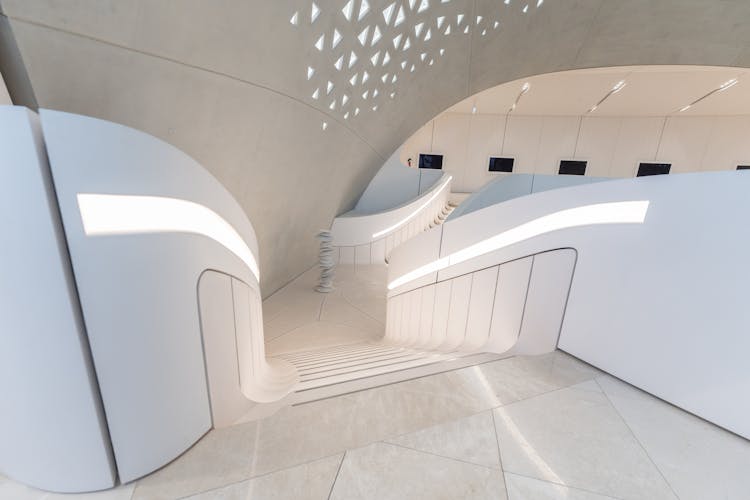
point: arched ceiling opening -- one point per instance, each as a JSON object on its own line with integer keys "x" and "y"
{"x": 229, "y": 81}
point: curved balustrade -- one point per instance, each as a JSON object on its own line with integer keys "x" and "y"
{"x": 657, "y": 285}
{"x": 368, "y": 239}
{"x": 512, "y": 186}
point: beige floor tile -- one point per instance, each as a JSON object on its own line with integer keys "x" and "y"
{"x": 382, "y": 471}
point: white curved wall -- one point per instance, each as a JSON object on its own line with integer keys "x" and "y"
{"x": 228, "y": 83}
{"x": 52, "y": 429}
{"x": 369, "y": 239}
{"x": 613, "y": 146}
{"x": 137, "y": 278}
{"x": 658, "y": 303}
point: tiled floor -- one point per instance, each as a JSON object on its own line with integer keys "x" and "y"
{"x": 544, "y": 427}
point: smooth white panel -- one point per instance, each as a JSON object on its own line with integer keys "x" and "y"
{"x": 596, "y": 144}
{"x": 485, "y": 140}
{"x": 395, "y": 323}
{"x": 522, "y": 137}
{"x": 551, "y": 274}
{"x": 52, "y": 432}
{"x": 378, "y": 251}
{"x": 420, "y": 142}
{"x": 684, "y": 143}
{"x": 415, "y": 316}
{"x": 728, "y": 145}
{"x": 458, "y": 312}
{"x": 480, "y": 309}
{"x": 440, "y": 314}
{"x": 451, "y": 139}
{"x": 636, "y": 142}
{"x": 362, "y": 255}
{"x": 393, "y": 185}
{"x": 249, "y": 368}
{"x": 148, "y": 349}
{"x": 389, "y": 240}
{"x": 346, "y": 255}
{"x": 390, "y": 318}
{"x": 217, "y": 312}
{"x": 427, "y": 315}
{"x": 510, "y": 299}
{"x": 557, "y": 142}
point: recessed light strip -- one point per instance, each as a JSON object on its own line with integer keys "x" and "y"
{"x": 618, "y": 87}
{"x": 524, "y": 89}
{"x": 622, "y": 212}
{"x": 724, "y": 86}
{"x": 111, "y": 214}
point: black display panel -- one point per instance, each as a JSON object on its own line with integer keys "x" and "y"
{"x": 743, "y": 167}
{"x": 431, "y": 161}
{"x": 498, "y": 164}
{"x": 572, "y": 167}
{"x": 645, "y": 169}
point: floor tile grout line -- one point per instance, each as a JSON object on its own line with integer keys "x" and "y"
{"x": 336, "y": 477}
{"x": 251, "y": 478}
{"x": 630, "y": 429}
{"x": 499, "y": 453}
{"x": 577, "y": 488}
{"x": 322, "y": 305}
{"x": 386, "y": 442}
{"x": 362, "y": 311}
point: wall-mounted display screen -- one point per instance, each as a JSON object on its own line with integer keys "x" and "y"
{"x": 743, "y": 167}
{"x": 572, "y": 167}
{"x": 645, "y": 169}
{"x": 499, "y": 164}
{"x": 431, "y": 161}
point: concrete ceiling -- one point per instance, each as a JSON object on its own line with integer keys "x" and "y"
{"x": 648, "y": 91}
{"x": 227, "y": 81}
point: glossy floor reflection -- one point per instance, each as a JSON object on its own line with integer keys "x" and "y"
{"x": 545, "y": 427}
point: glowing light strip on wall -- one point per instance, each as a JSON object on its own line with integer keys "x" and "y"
{"x": 625, "y": 212}
{"x": 415, "y": 213}
{"x": 110, "y": 214}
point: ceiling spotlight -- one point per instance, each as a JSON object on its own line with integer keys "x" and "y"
{"x": 473, "y": 110}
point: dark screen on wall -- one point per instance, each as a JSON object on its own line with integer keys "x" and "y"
{"x": 498, "y": 164}
{"x": 646, "y": 169}
{"x": 431, "y": 161}
{"x": 572, "y": 167}
{"x": 743, "y": 167}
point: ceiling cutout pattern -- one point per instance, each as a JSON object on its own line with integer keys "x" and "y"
{"x": 365, "y": 49}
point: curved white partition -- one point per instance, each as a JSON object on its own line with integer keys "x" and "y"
{"x": 369, "y": 239}
{"x": 53, "y": 434}
{"x": 163, "y": 296}
{"x": 143, "y": 222}
{"x": 659, "y": 279}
